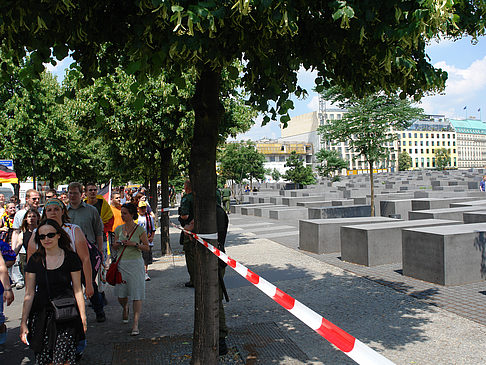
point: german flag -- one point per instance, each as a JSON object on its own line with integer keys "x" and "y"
{"x": 7, "y": 175}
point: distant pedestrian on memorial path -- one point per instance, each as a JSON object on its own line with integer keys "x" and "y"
{"x": 226, "y": 196}
{"x": 482, "y": 184}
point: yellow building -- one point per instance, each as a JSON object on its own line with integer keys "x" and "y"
{"x": 421, "y": 145}
{"x": 276, "y": 152}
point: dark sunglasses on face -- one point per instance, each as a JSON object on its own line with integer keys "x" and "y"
{"x": 49, "y": 235}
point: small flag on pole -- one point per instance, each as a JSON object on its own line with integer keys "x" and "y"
{"x": 465, "y": 108}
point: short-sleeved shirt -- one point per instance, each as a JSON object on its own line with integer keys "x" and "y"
{"x": 59, "y": 278}
{"x": 147, "y": 222}
{"x": 117, "y": 215}
{"x": 88, "y": 219}
{"x": 131, "y": 252}
{"x": 19, "y": 217}
{"x": 187, "y": 205}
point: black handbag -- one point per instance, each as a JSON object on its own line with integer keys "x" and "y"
{"x": 64, "y": 306}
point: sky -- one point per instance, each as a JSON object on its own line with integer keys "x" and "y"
{"x": 464, "y": 62}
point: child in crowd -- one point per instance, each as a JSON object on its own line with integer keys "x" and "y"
{"x": 147, "y": 222}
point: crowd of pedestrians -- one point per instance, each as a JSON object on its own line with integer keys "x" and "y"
{"x": 58, "y": 248}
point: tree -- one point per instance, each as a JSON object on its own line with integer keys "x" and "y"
{"x": 297, "y": 172}
{"x": 36, "y": 134}
{"x": 369, "y": 125}
{"x": 240, "y": 161}
{"x": 404, "y": 161}
{"x": 442, "y": 158}
{"x": 384, "y": 46}
{"x": 330, "y": 161}
{"x": 276, "y": 175}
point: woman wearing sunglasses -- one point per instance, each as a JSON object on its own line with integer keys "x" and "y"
{"x": 53, "y": 270}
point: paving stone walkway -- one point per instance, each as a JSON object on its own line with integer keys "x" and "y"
{"x": 408, "y": 321}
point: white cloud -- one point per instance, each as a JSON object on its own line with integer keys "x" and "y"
{"x": 314, "y": 103}
{"x": 270, "y": 130}
{"x": 464, "y": 87}
{"x": 465, "y": 82}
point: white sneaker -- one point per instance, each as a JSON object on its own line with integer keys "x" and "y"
{"x": 147, "y": 278}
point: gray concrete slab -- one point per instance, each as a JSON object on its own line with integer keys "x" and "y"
{"x": 379, "y": 243}
{"x": 455, "y": 214}
{"x": 324, "y": 235}
{"x": 446, "y": 255}
{"x": 340, "y": 212}
{"x": 478, "y": 216}
{"x": 236, "y": 209}
{"x": 288, "y": 213}
{"x": 396, "y": 208}
{"x": 437, "y": 203}
{"x": 263, "y": 211}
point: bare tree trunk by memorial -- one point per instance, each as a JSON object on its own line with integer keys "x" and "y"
{"x": 372, "y": 188}
{"x": 208, "y": 114}
{"x": 165, "y": 160}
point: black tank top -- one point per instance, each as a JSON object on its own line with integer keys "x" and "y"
{"x": 25, "y": 241}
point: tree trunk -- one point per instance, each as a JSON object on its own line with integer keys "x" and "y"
{"x": 165, "y": 160}
{"x": 51, "y": 182}
{"x": 208, "y": 114}
{"x": 372, "y": 189}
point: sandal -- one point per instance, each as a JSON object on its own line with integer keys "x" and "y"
{"x": 125, "y": 317}
{"x": 135, "y": 332}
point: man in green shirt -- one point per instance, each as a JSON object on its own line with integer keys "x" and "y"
{"x": 226, "y": 194}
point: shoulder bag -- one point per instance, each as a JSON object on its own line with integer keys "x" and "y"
{"x": 113, "y": 276}
{"x": 65, "y": 306}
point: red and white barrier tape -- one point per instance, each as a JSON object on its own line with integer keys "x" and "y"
{"x": 164, "y": 210}
{"x": 348, "y": 344}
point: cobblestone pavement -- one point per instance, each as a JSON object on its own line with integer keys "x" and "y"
{"x": 377, "y": 305}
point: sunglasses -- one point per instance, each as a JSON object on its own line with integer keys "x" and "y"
{"x": 49, "y": 235}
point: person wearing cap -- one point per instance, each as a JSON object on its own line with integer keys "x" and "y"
{"x": 147, "y": 222}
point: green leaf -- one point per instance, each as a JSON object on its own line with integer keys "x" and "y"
{"x": 176, "y": 8}
{"x": 133, "y": 67}
{"x": 233, "y": 72}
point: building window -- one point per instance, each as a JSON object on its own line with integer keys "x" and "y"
{"x": 426, "y": 135}
{"x": 454, "y": 150}
{"x": 426, "y": 143}
{"x": 432, "y": 143}
{"x": 428, "y": 162}
{"x": 332, "y": 116}
{"x": 409, "y": 143}
{"x": 271, "y": 158}
{"x": 416, "y": 143}
{"x": 421, "y": 143}
{"x": 403, "y": 135}
{"x": 448, "y": 143}
{"x": 443, "y": 143}
{"x": 421, "y": 135}
{"x": 416, "y": 150}
{"x": 448, "y": 136}
{"x": 410, "y": 151}
{"x": 427, "y": 150}
{"x": 416, "y": 162}
{"x": 421, "y": 150}
{"x": 438, "y": 136}
{"x": 443, "y": 135}
{"x": 415, "y": 135}
{"x": 433, "y": 151}
{"x": 282, "y": 148}
{"x": 410, "y": 135}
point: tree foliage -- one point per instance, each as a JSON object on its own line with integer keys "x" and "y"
{"x": 404, "y": 161}
{"x": 276, "y": 175}
{"x": 297, "y": 172}
{"x": 442, "y": 158}
{"x": 329, "y": 161}
{"x": 242, "y": 161}
{"x": 368, "y": 127}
